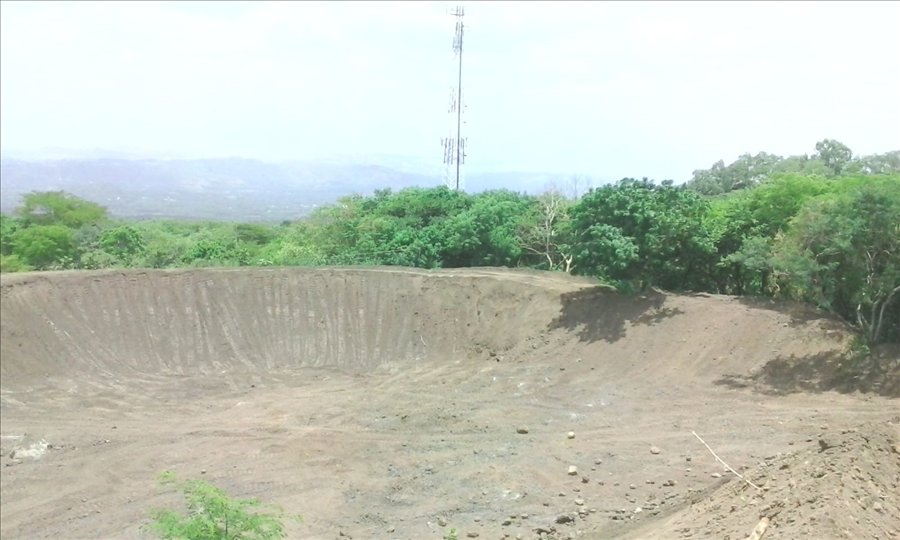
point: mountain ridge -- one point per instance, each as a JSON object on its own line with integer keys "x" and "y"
{"x": 230, "y": 189}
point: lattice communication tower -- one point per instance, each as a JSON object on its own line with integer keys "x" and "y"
{"x": 455, "y": 144}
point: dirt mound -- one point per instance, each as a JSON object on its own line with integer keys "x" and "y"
{"x": 390, "y": 403}
{"x": 842, "y": 485}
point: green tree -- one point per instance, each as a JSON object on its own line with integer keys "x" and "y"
{"x": 212, "y": 515}
{"x": 843, "y": 253}
{"x": 409, "y": 227}
{"x": 729, "y": 223}
{"x": 255, "y": 233}
{"x": 744, "y": 223}
{"x": 122, "y": 242}
{"x": 881, "y": 164}
{"x": 775, "y": 202}
{"x": 487, "y": 233}
{"x": 746, "y": 172}
{"x": 803, "y": 165}
{"x": 645, "y": 234}
{"x": 8, "y": 226}
{"x": 44, "y": 246}
{"x": 59, "y": 208}
{"x": 215, "y": 250}
{"x": 832, "y": 158}
{"x": 835, "y": 154}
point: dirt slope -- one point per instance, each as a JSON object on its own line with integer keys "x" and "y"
{"x": 385, "y": 402}
{"x": 113, "y": 324}
{"x": 845, "y": 486}
{"x": 185, "y": 322}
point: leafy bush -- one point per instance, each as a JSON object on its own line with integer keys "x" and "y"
{"x": 11, "y": 263}
{"x": 8, "y": 226}
{"x": 45, "y": 246}
{"x": 212, "y": 515}
{"x": 123, "y": 242}
{"x": 96, "y": 260}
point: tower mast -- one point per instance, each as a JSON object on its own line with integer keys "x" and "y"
{"x": 455, "y": 146}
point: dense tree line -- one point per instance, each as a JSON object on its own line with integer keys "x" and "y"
{"x": 823, "y": 230}
{"x": 832, "y": 158}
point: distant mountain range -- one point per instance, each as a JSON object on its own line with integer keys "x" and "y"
{"x": 223, "y": 189}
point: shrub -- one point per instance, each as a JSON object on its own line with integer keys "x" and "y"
{"x": 11, "y": 263}
{"x": 212, "y": 515}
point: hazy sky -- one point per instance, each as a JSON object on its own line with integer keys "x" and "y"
{"x": 609, "y": 89}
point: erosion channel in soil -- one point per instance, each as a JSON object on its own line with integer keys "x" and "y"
{"x": 399, "y": 403}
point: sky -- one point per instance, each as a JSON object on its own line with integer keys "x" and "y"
{"x": 601, "y": 88}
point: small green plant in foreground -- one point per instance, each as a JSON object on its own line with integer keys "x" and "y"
{"x": 452, "y": 535}
{"x": 212, "y": 515}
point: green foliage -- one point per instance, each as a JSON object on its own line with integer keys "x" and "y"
{"x": 45, "y": 246}
{"x": 419, "y": 227}
{"x": 12, "y": 263}
{"x": 452, "y": 535}
{"x": 255, "y": 233}
{"x": 820, "y": 229}
{"x": 832, "y": 158}
{"x": 122, "y": 242}
{"x": 209, "y": 249}
{"x": 803, "y": 165}
{"x": 774, "y": 203}
{"x": 59, "y": 208}
{"x": 8, "y": 226}
{"x": 644, "y": 233}
{"x": 843, "y": 253}
{"x": 97, "y": 259}
{"x": 858, "y": 349}
{"x": 212, "y": 515}
{"x": 744, "y": 173}
{"x": 486, "y": 233}
{"x": 744, "y": 224}
{"x": 881, "y": 164}
{"x": 834, "y": 154}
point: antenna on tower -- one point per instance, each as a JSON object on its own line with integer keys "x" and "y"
{"x": 455, "y": 144}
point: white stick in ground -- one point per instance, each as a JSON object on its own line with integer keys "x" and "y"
{"x": 760, "y": 529}
{"x": 722, "y": 462}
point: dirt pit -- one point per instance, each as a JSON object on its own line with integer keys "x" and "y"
{"x": 400, "y": 404}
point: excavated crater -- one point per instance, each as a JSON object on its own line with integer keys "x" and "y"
{"x": 401, "y": 403}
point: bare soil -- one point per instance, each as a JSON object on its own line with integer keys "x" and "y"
{"x": 388, "y": 403}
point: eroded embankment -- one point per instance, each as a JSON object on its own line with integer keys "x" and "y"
{"x": 212, "y": 320}
{"x": 134, "y": 323}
